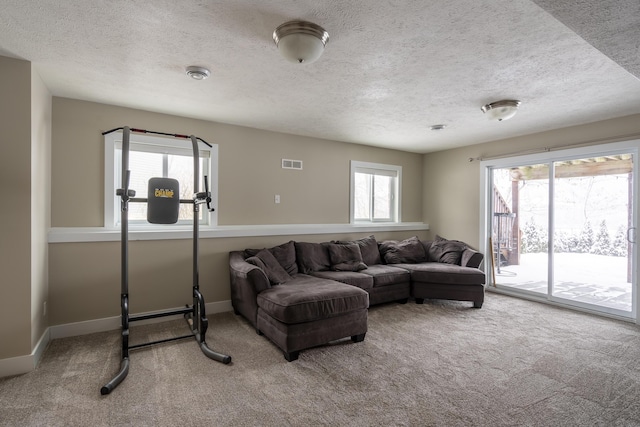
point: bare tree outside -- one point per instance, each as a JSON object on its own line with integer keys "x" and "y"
{"x": 145, "y": 165}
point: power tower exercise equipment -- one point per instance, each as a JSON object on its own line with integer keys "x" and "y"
{"x": 163, "y": 203}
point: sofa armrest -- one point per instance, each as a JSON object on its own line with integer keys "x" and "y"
{"x": 246, "y": 274}
{"x": 247, "y": 281}
{"x": 471, "y": 258}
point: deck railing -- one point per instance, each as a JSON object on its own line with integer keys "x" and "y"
{"x": 505, "y": 232}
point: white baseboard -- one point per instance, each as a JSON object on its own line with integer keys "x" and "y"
{"x": 17, "y": 365}
{"x": 41, "y": 346}
{"x": 23, "y": 364}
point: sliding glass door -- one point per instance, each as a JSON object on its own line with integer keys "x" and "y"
{"x": 562, "y": 229}
{"x": 592, "y": 217}
{"x": 520, "y": 229}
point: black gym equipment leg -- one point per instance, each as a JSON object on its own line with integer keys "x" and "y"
{"x": 195, "y": 315}
{"x": 200, "y": 329}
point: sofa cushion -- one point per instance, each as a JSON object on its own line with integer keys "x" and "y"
{"x": 384, "y": 275}
{"x": 353, "y": 278}
{"x": 447, "y": 251}
{"x": 285, "y": 254}
{"x": 407, "y": 251}
{"x": 274, "y": 271}
{"x": 368, "y": 249}
{"x": 438, "y": 272}
{"x": 346, "y": 257}
{"x": 312, "y": 257}
{"x": 306, "y": 299}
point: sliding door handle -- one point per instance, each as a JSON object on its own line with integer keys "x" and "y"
{"x": 631, "y": 234}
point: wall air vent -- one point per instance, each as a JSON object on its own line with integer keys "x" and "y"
{"x": 291, "y": 164}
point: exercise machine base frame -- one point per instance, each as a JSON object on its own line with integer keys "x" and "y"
{"x": 196, "y": 320}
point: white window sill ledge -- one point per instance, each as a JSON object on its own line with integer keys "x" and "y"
{"x": 100, "y": 234}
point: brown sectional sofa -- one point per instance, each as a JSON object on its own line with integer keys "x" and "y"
{"x": 302, "y": 295}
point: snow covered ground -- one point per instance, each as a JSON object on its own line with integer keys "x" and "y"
{"x": 588, "y": 278}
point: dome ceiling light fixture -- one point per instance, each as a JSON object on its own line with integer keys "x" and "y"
{"x": 301, "y": 42}
{"x": 197, "y": 73}
{"x": 501, "y": 110}
{"x": 437, "y": 127}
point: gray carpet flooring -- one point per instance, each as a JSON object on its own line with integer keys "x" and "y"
{"x": 511, "y": 363}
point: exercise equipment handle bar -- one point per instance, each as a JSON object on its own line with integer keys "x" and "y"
{"x": 175, "y": 135}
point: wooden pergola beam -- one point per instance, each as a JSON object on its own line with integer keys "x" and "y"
{"x": 606, "y": 166}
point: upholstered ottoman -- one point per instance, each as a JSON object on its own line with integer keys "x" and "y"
{"x": 309, "y": 311}
{"x": 446, "y": 281}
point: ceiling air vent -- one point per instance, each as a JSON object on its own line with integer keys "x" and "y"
{"x": 291, "y": 164}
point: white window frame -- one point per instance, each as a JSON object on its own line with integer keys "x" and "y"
{"x": 396, "y": 189}
{"x": 113, "y": 142}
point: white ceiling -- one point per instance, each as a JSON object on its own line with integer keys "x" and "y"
{"x": 391, "y": 68}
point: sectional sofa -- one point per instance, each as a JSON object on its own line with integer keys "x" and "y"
{"x": 301, "y": 294}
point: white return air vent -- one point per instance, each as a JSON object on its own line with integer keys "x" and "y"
{"x": 291, "y": 164}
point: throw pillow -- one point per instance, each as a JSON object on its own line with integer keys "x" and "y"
{"x": 408, "y": 251}
{"x": 346, "y": 257}
{"x": 260, "y": 285}
{"x": 257, "y": 262}
{"x": 285, "y": 254}
{"x": 368, "y": 248}
{"x": 446, "y": 251}
{"x": 274, "y": 270}
{"x": 312, "y": 257}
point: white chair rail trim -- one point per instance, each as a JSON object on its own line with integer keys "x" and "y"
{"x": 100, "y": 234}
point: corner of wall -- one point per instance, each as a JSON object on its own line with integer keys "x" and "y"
{"x": 41, "y": 109}
{"x": 27, "y": 363}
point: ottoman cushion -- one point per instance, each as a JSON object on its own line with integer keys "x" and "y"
{"x": 307, "y": 299}
{"x": 437, "y": 272}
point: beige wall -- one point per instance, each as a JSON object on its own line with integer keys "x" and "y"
{"x": 40, "y": 203}
{"x": 451, "y": 204}
{"x": 15, "y": 179}
{"x": 84, "y": 281}
{"x": 250, "y": 175}
{"x": 250, "y": 172}
{"x": 85, "y": 277}
{"x": 80, "y": 281}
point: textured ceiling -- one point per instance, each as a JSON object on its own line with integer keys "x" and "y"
{"x": 390, "y": 70}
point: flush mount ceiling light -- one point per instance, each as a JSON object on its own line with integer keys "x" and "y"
{"x": 301, "y": 42}
{"x": 437, "y": 127}
{"x": 198, "y": 73}
{"x": 501, "y": 110}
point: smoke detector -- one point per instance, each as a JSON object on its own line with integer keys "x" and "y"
{"x": 198, "y": 73}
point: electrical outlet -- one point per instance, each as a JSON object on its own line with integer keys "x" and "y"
{"x": 277, "y": 198}
{"x": 44, "y": 309}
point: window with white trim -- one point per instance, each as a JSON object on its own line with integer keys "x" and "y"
{"x": 157, "y": 156}
{"x": 375, "y": 192}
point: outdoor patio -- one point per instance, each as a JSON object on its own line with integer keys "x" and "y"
{"x": 587, "y": 278}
